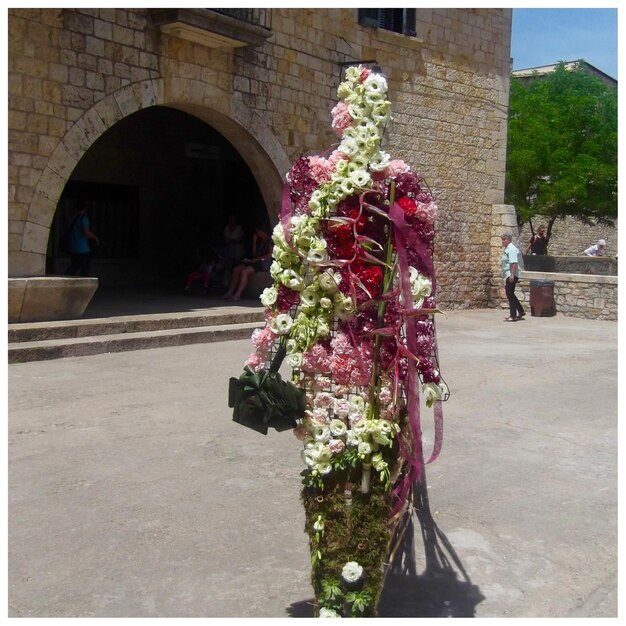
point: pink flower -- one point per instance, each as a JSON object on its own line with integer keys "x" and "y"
{"x": 395, "y": 167}
{"x": 316, "y": 359}
{"x": 426, "y": 212}
{"x": 365, "y": 72}
{"x": 359, "y": 377}
{"x": 341, "y": 367}
{"x": 336, "y": 156}
{"x": 255, "y": 361}
{"x": 341, "y": 407}
{"x": 355, "y": 418}
{"x": 323, "y": 400}
{"x": 336, "y": 446}
{"x": 384, "y": 396}
{"x": 340, "y": 344}
{"x": 320, "y": 415}
{"x": 300, "y": 432}
{"x": 320, "y": 169}
{"x": 341, "y": 118}
{"x": 263, "y": 339}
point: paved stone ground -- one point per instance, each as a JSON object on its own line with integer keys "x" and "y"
{"x": 133, "y": 494}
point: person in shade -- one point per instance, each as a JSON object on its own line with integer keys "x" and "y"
{"x": 511, "y": 272}
{"x": 78, "y": 238}
{"x": 259, "y": 262}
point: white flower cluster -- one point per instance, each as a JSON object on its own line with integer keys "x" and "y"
{"x": 335, "y": 423}
{"x": 367, "y": 104}
{"x": 421, "y": 287}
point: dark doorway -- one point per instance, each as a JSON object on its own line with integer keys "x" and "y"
{"x": 159, "y": 186}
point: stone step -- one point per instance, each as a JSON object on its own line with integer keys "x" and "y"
{"x": 72, "y": 329}
{"x": 47, "y": 349}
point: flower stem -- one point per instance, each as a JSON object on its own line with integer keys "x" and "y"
{"x": 382, "y": 305}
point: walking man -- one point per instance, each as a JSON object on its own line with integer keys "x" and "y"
{"x": 511, "y": 274}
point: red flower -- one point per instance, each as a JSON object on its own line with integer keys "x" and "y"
{"x": 408, "y": 205}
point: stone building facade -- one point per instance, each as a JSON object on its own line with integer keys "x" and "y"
{"x": 265, "y": 85}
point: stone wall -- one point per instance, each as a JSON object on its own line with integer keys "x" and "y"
{"x": 74, "y": 73}
{"x": 576, "y": 295}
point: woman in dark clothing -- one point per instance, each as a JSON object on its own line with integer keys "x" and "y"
{"x": 260, "y": 262}
{"x": 538, "y": 242}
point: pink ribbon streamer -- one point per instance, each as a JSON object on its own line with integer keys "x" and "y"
{"x": 406, "y": 238}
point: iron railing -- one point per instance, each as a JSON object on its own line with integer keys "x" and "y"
{"x": 258, "y": 17}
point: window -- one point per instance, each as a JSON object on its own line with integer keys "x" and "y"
{"x": 396, "y": 20}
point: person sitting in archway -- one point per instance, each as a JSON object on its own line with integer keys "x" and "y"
{"x": 260, "y": 262}
{"x": 202, "y": 273}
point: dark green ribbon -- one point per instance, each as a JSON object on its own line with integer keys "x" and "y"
{"x": 263, "y": 400}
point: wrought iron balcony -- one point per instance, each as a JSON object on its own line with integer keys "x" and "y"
{"x": 215, "y": 28}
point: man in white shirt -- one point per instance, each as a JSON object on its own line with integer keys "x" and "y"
{"x": 597, "y": 249}
{"x": 511, "y": 273}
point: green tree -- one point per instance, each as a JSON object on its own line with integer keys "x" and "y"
{"x": 562, "y": 148}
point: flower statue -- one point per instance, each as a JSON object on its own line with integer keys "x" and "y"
{"x": 352, "y": 311}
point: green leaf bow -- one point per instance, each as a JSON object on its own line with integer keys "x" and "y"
{"x": 263, "y": 400}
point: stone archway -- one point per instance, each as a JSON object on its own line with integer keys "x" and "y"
{"x": 240, "y": 125}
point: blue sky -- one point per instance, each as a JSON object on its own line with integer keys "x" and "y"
{"x": 545, "y": 36}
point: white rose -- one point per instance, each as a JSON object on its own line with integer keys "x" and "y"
{"x": 380, "y": 161}
{"x": 357, "y": 404}
{"x": 293, "y": 280}
{"x": 329, "y": 281}
{"x": 337, "y": 428}
{"x": 321, "y": 433}
{"x": 317, "y": 256}
{"x": 432, "y": 392}
{"x": 365, "y": 448}
{"x": 351, "y": 572}
{"x": 353, "y": 438}
{"x": 375, "y": 83}
{"x": 309, "y": 297}
{"x": 282, "y": 324}
{"x": 324, "y": 612}
{"x": 269, "y": 296}
{"x": 360, "y": 178}
{"x": 324, "y": 468}
{"x": 295, "y": 360}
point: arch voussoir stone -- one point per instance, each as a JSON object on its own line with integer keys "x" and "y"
{"x": 243, "y": 127}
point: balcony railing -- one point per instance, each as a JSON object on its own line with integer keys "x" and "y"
{"x": 260, "y": 17}
{"x": 215, "y": 28}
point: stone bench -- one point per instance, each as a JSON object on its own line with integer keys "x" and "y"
{"x": 47, "y": 298}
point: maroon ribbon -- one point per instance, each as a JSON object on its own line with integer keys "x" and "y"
{"x": 406, "y": 238}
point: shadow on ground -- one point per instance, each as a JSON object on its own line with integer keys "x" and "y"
{"x": 444, "y": 589}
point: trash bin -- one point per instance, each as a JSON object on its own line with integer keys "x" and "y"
{"x": 542, "y": 298}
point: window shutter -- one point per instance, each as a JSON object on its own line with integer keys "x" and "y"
{"x": 369, "y": 17}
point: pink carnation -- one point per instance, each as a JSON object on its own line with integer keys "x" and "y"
{"x": 300, "y": 432}
{"x": 316, "y": 359}
{"x": 323, "y": 400}
{"x": 359, "y": 377}
{"x": 336, "y": 156}
{"x": 341, "y": 118}
{"x": 396, "y": 167}
{"x": 341, "y": 366}
{"x": 336, "y": 446}
{"x": 263, "y": 339}
{"x": 254, "y": 361}
{"x": 426, "y": 212}
{"x": 365, "y": 72}
{"x": 341, "y": 407}
{"x": 320, "y": 169}
{"x": 340, "y": 344}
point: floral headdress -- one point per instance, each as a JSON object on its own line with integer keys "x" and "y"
{"x": 352, "y": 308}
